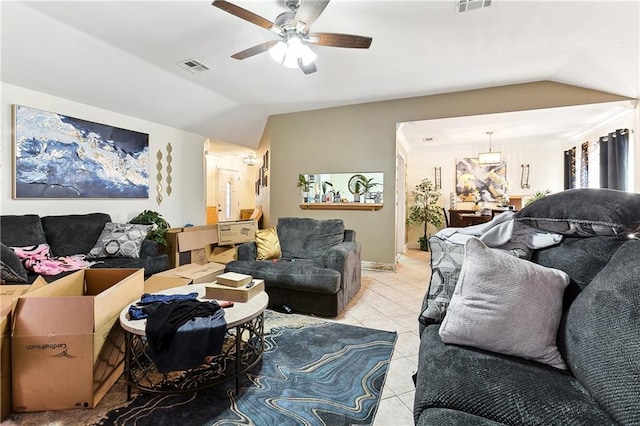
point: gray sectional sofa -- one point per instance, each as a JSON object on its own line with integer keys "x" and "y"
{"x": 318, "y": 271}
{"x": 76, "y": 234}
{"x": 583, "y": 308}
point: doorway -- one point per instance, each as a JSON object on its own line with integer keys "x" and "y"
{"x": 227, "y": 200}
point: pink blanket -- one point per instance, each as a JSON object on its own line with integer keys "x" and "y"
{"x": 38, "y": 259}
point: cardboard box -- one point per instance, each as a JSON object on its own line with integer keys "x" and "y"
{"x": 222, "y": 255}
{"x": 233, "y": 279}
{"x": 233, "y": 294}
{"x": 8, "y": 293}
{"x": 189, "y": 241}
{"x": 67, "y": 345}
{"x": 237, "y": 232}
{"x": 156, "y": 283}
{"x": 195, "y": 273}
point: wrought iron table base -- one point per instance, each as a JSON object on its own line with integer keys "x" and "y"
{"x": 242, "y": 349}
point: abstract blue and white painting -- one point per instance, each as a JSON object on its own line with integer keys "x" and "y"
{"x": 57, "y": 156}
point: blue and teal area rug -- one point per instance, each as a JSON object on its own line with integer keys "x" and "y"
{"x": 313, "y": 372}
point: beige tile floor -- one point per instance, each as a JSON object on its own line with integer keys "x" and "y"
{"x": 392, "y": 301}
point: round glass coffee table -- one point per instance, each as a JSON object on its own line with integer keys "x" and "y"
{"x": 242, "y": 349}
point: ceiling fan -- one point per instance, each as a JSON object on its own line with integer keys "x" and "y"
{"x": 292, "y": 49}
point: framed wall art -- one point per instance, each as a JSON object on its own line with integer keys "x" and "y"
{"x": 475, "y": 182}
{"x": 57, "y": 156}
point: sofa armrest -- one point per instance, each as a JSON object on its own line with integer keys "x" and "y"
{"x": 344, "y": 258}
{"x": 149, "y": 248}
{"x": 349, "y": 235}
{"x": 247, "y": 251}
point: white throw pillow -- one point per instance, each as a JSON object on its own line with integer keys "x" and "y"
{"x": 506, "y": 305}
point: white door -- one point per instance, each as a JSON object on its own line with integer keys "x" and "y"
{"x": 227, "y": 196}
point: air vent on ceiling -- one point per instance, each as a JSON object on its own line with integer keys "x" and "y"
{"x": 193, "y": 65}
{"x": 467, "y": 5}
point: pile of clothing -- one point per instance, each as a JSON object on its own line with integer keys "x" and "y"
{"x": 181, "y": 330}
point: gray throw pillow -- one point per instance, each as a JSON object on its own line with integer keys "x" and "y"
{"x": 11, "y": 269}
{"x": 506, "y": 305}
{"x": 121, "y": 240}
{"x": 446, "y": 263}
{"x": 584, "y": 212}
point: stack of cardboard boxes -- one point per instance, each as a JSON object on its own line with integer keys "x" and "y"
{"x": 208, "y": 243}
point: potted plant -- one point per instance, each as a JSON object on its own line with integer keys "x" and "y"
{"x": 425, "y": 210}
{"x": 160, "y": 225}
{"x": 537, "y": 196}
{"x": 326, "y": 192}
{"x": 367, "y": 184}
{"x": 358, "y": 189}
{"x": 305, "y": 185}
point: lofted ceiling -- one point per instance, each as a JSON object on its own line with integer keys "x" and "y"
{"x": 122, "y": 56}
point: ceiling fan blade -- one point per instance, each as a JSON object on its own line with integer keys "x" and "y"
{"x": 308, "y": 12}
{"x": 307, "y": 69}
{"x": 340, "y": 40}
{"x": 259, "y": 48}
{"x": 247, "y": 15}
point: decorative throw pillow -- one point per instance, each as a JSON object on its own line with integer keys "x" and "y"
{"x": 120, "y": 239}
{"x": 446, "y": 262}
{"x": 506, "y": 305}
{"x": 584, "y": 212}
{"x": 267, "y": 244}
{"x": 11, "y": 269}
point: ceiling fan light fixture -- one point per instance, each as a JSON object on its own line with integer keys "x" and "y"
{"x": 287, "y": 53}
{"x": 278, "y": 52}
{"x": 308, "y": 56}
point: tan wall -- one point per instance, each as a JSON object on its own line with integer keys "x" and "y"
{"x": 362, "y": 138}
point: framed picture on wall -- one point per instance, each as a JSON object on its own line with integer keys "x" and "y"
{"x": 265, "y": 160}
{"x": 263, "y": 177}
{"x": 57, "y": 156}
{"x": 484, "y": 182}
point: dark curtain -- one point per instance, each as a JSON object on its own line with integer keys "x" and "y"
{"x": 614, "y": 160}
{"x": 604, "y": 161}
{"x": 570, "y": 168}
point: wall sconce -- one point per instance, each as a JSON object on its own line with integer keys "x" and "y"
{"x": 524, "y": 176}
{"x": 249, "y": 160}
{"x": 489, "y": 158}
{"x": 438, "y": 178}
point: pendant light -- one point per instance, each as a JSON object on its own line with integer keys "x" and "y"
{"x": 489, "y": 158}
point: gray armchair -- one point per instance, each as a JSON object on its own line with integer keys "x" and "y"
{"x": 319, "y": 271}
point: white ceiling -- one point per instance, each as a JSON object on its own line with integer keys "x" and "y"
{"x": 122, "y": 56}
{"x": 542, "y": 127}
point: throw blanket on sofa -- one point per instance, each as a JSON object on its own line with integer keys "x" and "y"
{"x": 501, "y": 231}
{"x": 39, "y": 260}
